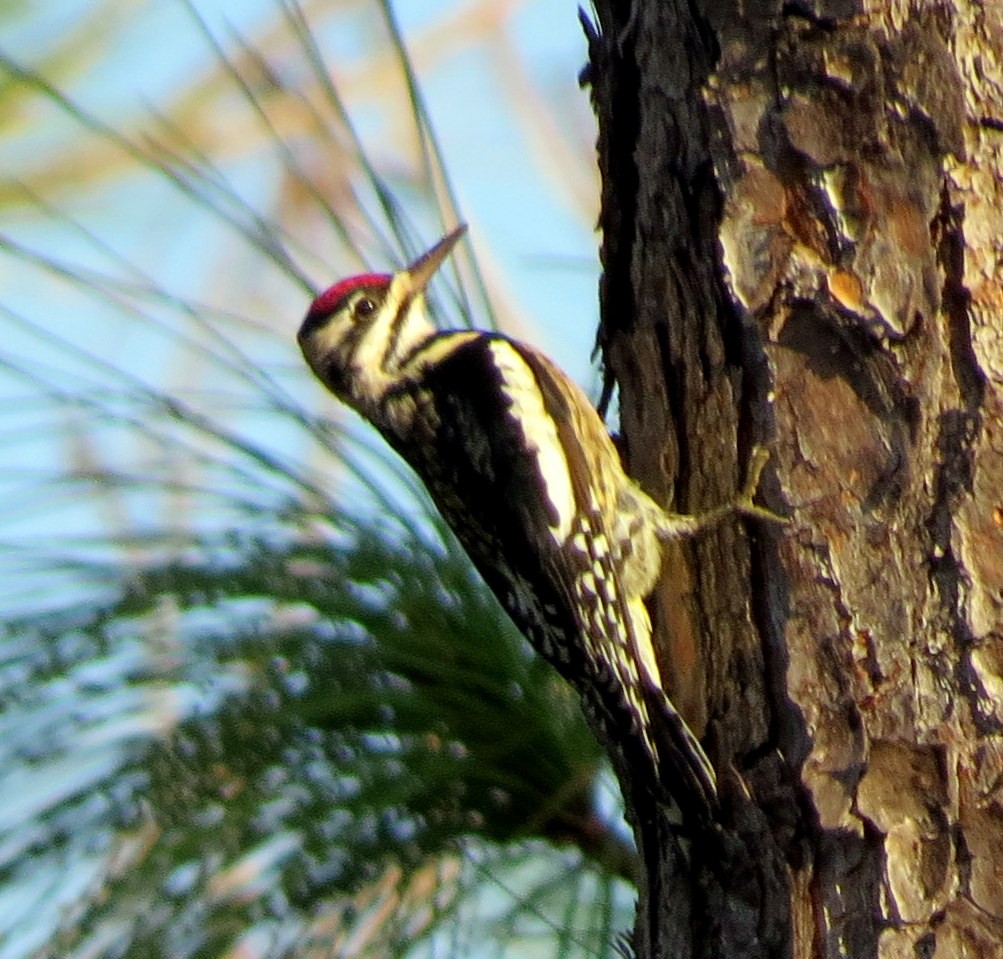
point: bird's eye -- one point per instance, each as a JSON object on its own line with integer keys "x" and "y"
{"x": 364, "y": 308}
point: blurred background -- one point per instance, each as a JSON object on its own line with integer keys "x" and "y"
{"x": 253, "y": 701}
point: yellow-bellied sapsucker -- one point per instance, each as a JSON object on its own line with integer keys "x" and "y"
{"x": 523, "y": 470}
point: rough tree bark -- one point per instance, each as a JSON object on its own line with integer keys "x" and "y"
{"x": 801, "y": 213}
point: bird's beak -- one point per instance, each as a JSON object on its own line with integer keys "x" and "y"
{"x": 424, "y": 268}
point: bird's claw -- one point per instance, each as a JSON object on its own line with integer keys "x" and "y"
{"x": 744, "y": 503}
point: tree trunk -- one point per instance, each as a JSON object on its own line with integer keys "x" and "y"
{"x": 801, "y": 216}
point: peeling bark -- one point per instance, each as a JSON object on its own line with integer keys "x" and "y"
{"x": 801, "y": 214}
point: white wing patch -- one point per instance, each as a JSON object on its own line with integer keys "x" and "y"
{"x": 539, "y": 434}
{"x": 642, "y": 630}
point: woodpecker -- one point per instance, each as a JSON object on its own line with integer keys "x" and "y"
{"x": 524, "y": 472}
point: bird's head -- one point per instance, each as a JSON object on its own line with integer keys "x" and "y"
{"x": 357, "y": 333}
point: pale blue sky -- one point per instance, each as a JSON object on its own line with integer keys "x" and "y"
{"x": 536, "y": 239}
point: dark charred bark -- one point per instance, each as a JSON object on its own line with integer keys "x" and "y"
{"x": 801, "y": 208}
